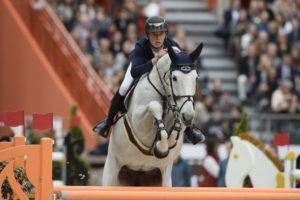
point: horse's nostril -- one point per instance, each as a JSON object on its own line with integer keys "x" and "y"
{"x": 187, "y": 120}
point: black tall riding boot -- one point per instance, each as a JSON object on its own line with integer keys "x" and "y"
{"x": 194, "y": 135}
{"x": 102, "y": 128}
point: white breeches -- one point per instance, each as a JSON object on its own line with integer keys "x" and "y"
{"x": 242, "y": 87}
{"x": 128, "y": 80}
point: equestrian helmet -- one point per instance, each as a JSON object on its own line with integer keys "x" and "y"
{"x": 156, "y": 24}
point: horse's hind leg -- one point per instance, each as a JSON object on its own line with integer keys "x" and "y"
{"x": 110, "y": 172}
{"x": 161, "y": 148}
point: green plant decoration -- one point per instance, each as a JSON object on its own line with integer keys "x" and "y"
{"x": 243, "y": 126}
{"x": 21, "y": 177}
{"x": 77, "y": 168}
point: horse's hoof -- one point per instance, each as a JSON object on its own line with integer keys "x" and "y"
{"x": 195, "y": 136}
{"x": 159, "y": 154}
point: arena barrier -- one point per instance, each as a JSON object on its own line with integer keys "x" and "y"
{"x": 36, "y": 159}
{"x": 38, "y": 163}
{"x": 150, "y": 193}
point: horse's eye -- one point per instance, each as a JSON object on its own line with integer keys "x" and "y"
{"x": 174, "y": 78}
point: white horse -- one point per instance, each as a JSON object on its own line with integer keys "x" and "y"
{"x": 248, "y": 157}
{"x": 145, "y": 142}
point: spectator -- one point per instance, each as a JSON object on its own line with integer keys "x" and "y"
{"x": 231, "y": 17}
{"x": 116, "y": 44}
{"x": 88, "y": 8}
{"x": 132, "y": 33}
{"x": 286, "y": 71}
{"x": 223, "y": 165}
{"x": 210, "y": 166}
{"x": 122, "y": 21}
{"x": 101, "y": 22}
{"x": 216, "y": 90}
{"x": 152, "y": 8}
{"x": 281, "y": 98}
{"x": 282, "y": 43}
{"x": 180, "y": 38}
{"x": 122, "y": 58}
{"x": 248, "y": 38}
{"x": 181, "y": 173}
{"x": 272, "y": 55}
{"x": 248, "y": 72}
{"x": 83, "y": 27}
{"x": 262, "y": 42}
{"x": 294, "y": 35}
{"x": 263, "y": 24}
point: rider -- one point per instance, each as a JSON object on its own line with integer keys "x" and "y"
{"x": 144, "y": 56}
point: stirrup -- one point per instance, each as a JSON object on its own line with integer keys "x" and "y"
{"x": 102, "y": 128}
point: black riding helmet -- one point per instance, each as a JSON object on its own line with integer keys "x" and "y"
{"x": 156, "y": 24}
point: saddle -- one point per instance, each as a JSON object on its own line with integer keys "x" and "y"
{"x": 126, "y": 101}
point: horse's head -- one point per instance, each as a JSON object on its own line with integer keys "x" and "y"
{"x": 240, "y": 162}
{"x": 182, "y": 82}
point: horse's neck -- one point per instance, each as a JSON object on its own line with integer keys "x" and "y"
{"x": 140, "y": 117}
{"x": 155, "y": 76}
{"x": 263, "y": 173}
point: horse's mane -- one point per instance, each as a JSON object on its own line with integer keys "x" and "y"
{"x": 163, "y": 61}
{"x": 263, "y": 148}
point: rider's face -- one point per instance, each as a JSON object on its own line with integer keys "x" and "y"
{"x": 157, "y": 39}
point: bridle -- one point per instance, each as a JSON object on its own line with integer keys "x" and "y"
{"x": 171, "y": 98}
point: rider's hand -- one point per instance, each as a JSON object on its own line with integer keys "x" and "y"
{"x": 155, "y": 59}
{"x": 157, "y": 56}
{"x": 162, "y": 52}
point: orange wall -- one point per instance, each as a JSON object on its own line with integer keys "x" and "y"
{"x": 27, "y": 80}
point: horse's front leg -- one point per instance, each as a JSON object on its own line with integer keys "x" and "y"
{"x": 161, "y": 146}
{"x": 175, "y": 131}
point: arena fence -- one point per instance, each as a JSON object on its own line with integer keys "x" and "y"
{"x": 36, "y": 159}
{"x": 37, "y": 162}
{"x": 132, "y": 193}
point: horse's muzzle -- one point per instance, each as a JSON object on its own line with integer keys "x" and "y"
{"x": 187, "y": 119}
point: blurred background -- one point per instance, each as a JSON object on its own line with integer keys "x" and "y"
{"x": 59, "y": 53}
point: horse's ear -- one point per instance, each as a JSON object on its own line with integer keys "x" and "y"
{"x": 171, "y": 53}
{"x": 195, "y": 54}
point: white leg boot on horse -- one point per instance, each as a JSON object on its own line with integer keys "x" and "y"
{"x": 161, "y": 147}
{"x": 174, "y": 135}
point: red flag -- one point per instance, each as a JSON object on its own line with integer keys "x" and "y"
{"x": 1, "y": 120}
{"x": 14, "y": 118}
{"x": 75, "y": 121}
{"x": 281, "y": 139}
{"x": 42, "y": 121}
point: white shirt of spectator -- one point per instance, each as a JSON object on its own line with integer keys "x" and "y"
{"x": 152, "y": 9}
{"x": 211, "y": 166}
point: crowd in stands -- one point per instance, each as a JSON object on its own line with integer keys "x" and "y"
{"x": 263, "y": 37}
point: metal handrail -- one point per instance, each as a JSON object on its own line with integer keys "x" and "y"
{"x": 91, "y": 94}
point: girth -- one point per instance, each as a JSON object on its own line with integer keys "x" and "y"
{"x": 134, "y": 140}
